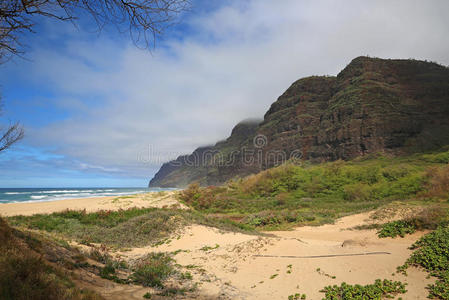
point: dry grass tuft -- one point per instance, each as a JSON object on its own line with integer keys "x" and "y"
{"x": 438, "y": 184}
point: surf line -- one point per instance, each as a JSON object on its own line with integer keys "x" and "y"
{"x": 321, "y": 256}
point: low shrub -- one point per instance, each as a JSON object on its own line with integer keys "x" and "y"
{"x": 397, "y": 228}
{"x": 438, "y": 182}
{"x": 378, "y": 290}
{"x": 153, "y": 270}
{"x": 273, "y": 218}
{"x": 442, "y": 157}
{"x": 428, "y": 218}
{"x": 431, "y": 252}
{"x": 357, "y": 192}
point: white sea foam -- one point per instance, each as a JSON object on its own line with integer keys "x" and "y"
{"x": 61, "y": 191}
{"x": 52, "y": 195}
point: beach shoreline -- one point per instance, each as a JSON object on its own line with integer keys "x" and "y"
{"x": 91, "y": 204}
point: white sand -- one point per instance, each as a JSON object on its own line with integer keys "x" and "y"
{"x": 153, "y": 199}
{"x": 235, "y": 273}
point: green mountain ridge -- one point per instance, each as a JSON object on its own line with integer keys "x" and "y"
{"x": 373, "y": 105}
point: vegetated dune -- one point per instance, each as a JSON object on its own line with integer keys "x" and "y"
{"x": 240, "y": 266}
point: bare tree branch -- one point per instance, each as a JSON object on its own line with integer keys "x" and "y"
{"x": 13, "y": 134}
{"x": 144, "y": 20}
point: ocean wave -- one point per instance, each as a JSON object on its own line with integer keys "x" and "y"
{"x": 55, "y": 195}
{"x": 62, "y": 191}
{"x": 119, "y": 194}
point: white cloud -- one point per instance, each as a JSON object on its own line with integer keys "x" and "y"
{"x": 236, "y": 62}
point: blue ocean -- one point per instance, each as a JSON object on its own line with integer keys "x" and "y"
{"x": 14, "y": 195}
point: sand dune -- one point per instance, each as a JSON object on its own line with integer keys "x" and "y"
{"x": 237, "y": 269}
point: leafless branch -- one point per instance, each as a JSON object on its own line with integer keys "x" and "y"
{"x": 144, "y": 20}
{"x": 11, "y": 135}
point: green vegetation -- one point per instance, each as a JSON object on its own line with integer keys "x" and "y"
{"x": 321, "y": 272}
{"x": 109, "y": 271}
{"x": 123, "y": 228}
{"x": 313, "y": 194}
{"x": 208, "y": 248}
{"x": 134, "y": 227}
{"x": 397, "y": 228}
{"x": 429, "y": 218}
{"x": 25, "y": 274}
{"x": 297, "y": 296}
{"x": 379, "y": 290}
{"x": 153, "y": 270}
{"x": 431, "y": 252}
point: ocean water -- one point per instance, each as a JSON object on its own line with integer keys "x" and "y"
{"x": 14, "y": 195}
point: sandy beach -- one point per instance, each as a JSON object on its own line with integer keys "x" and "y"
{"x": 152, "y": 199}
{"x": 245, "y": 266}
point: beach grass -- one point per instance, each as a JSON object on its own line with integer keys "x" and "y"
{"x": 133, "y": 227}
{"x": 25, "y": 272}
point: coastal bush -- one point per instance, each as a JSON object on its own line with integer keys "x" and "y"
{"x": 438, "y": 182}
{"x": 109, "y": 271}
{"x": 191, "y": 193}
{"x": 200, "y": 198}
{"x": 378, "y": 290}
{"x": 440, "y": 289}
{"x": 442, "y": 157}
{"x": 153, "y": 270}
{"x": 428, "y": 218}
{"x": 431, "y": 252}
{"x": 274, "y": 218}
{"x": 397, "y": 228}
{"x": 357, "y": 192}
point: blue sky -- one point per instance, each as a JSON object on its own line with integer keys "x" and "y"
{"x": 100, "y": 112}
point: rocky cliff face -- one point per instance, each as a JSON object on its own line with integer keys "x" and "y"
{"x": 210, "y": 165}
{"x": 372, "y": 105}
